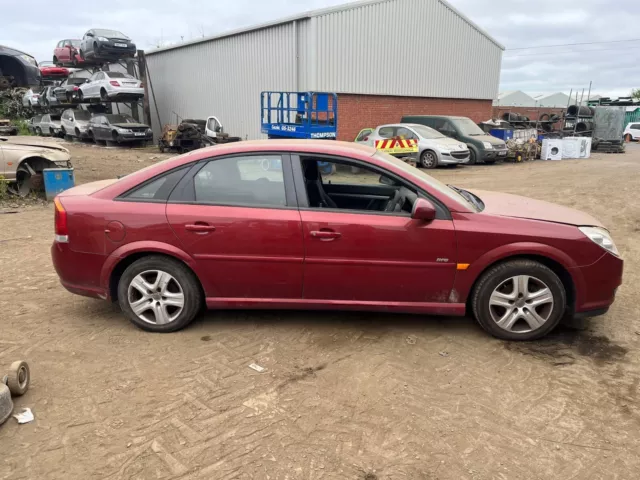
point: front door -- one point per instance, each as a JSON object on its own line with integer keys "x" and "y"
{"x": 236, "y": 219}
{"x": 365, "y": 247}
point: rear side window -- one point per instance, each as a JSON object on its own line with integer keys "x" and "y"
{"x": 386, "y": 132}
{"x": 635, "y": 126}
{"x": 253, "y": 181}
{"x": 158, "y": 189}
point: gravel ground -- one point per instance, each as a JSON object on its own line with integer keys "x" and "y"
{"x": 344, "y": 396}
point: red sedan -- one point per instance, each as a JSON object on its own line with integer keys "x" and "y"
{"x": 259, "y": 225}
{"x": 50, "y": 71}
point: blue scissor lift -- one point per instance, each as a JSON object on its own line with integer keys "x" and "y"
{"x": 300, "y": 115}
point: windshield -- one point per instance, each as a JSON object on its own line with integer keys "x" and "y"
{"x": 120, "y": 119}
{"x": 82, "y": 115}
{"x": 467, "y": 127}
{"x": 436, "y": 184}
{"x": 109, "y": 34}
{"x": 427, "y": 132}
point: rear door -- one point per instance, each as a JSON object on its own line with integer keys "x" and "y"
{"x": 363, "y": 254}
{"x": 237, "y": 217}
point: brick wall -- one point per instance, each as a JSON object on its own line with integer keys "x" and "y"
{"x": 359, "y": 111}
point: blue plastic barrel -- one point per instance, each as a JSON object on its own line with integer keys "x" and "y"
{"x": 57, "y": 180}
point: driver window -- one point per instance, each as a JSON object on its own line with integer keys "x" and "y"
{"x": 348, "y": 185}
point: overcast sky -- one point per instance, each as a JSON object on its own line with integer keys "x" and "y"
{"x": 614, "y": 68}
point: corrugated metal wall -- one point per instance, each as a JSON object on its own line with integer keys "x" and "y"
{"x": 406, "y": 47}
{"x": 419, "y": 48}
{"x": 223, "y": 78}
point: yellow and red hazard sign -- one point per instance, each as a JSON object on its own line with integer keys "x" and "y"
{"x": 396, "y": 145}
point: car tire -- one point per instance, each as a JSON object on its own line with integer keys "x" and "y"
{"x": 473, "y": 157}
{"x": 179, "y": 283}
{"x": 38, "y": 131}
{"x": 18, "y": 378}
{"x": 428, "y": 159}
{"x": 506, "y": 294}
{"x": 103, "y": 95}
{"x": 80, "y": 96}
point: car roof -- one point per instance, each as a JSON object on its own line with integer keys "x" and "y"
{"x": 434, "y": 116}
{"x": 410, "y": 125}
{"x": 331, "y": 147}
{"x": 12, "y": 51}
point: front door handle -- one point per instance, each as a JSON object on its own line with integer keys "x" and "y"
{"x": 200, "y": 228}
{"x": 325, "y": 235}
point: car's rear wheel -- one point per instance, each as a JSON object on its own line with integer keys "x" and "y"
{"x": 80, "y": 96}
{"x": 103, "y": 95}
{"x": 428, "y": 159}
{"x": 519, "y": 300}
{"x": 38, "y": 131}
{"x": 159, "y": 294}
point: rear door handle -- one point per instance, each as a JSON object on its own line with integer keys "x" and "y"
{"x": 325, "y": 235}
{"x": 200, "y": 228}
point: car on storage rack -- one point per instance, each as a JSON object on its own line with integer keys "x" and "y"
{"x": 31, "y": 97}
{"x": 67, "y": 91}
{"x": 434, "y": 148}
{"x": 66, "y": 53}
{"x": 482, "y": 146}
{"x": 33, "y": 124}
{"x": 107, "y": 86}
{"x": 51, "y": 125}
{"x": 118, "y": 128}
{"x": 50, "y": 71}
{"x": 100, "y": 44}
{"x": 195, "y": 229}
{"x": 47, "y": 97}
{"x": 75, "y": 123}
{"x": 17, "y": 69}
{"x": 23, "y": 163}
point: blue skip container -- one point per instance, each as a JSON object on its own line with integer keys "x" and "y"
{"x": 57, "y": 180}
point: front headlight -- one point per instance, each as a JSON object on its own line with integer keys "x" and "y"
{"x": 602, "y": 237}
{"x": 29, "y": 59}
{"x": 103, "y": 39}
{"x": 487, "y": 145}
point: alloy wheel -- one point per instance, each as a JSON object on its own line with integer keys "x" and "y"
{"x": 521, "y": 304}
{"x": 428, "y": 160}
{"x": 156, "y": 297}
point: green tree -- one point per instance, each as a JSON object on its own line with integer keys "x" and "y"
{"x": 635, "y": 93}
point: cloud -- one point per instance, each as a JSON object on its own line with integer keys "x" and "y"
{"x": 514, "y": 23}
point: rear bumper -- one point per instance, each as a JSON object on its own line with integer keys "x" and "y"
{"x": 124, "y": 93}
{"x": 598, "y": 284}
{"x": 79, "y": 272}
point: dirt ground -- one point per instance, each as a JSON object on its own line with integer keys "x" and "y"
{"x": 344, "y": 396}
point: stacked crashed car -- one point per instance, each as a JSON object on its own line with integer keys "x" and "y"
{"x": 118, "y": 129}
{"x": 434, "y": 148}
{"x": 23, "y": 163}
{"x": 75, "y": 123}
{"x": 47, "y": 97}
{"x": 33, "y": 124}
{"x": 214, "y": 228}
{"x": 111, "y": 86}
{"x": 17, "y": 69}
{"x": 31, "y": 98}
{"x": 50, "y": 71}
{"x": 50, "y": 125}
{"x": 101, "y": 44}
{"x": 66, "y": 53}
{"x": 67, "y": 91}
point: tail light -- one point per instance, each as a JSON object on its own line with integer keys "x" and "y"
{"x": 366, "y": 139}
{"x": 61, "y": 225}
{"x": 114, "y": 83}
{"x": 76, "y": 88}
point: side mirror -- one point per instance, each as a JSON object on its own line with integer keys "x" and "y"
{"x": 86, "y": 80}
{"x": 423, "y": 210}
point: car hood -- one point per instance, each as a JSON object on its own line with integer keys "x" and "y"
{"x": 488, "y": 138}
{"x": 130, "y": 125}
{"x": 507, "y": 205}
{"x": 451, "y": 142}
{"x": 34, "y": 147}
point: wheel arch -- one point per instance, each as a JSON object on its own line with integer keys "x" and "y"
{"x": 117, "y": 263}
{"x": 561, "y": 270}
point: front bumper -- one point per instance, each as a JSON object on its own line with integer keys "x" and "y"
{"x": 130, "y": 137}
{"x": 494, "y": 155}
{"x": 596, "y": 284}
{"x": 452, "y": 158}
{"x": 108, "y": 49}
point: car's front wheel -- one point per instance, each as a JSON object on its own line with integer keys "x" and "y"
{"x": 159, "y": 294}
{"x": 428, "y": 159}
{"x": 519, "y": 300}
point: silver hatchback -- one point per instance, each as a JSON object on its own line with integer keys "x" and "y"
{"x": 434, "y": 148}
